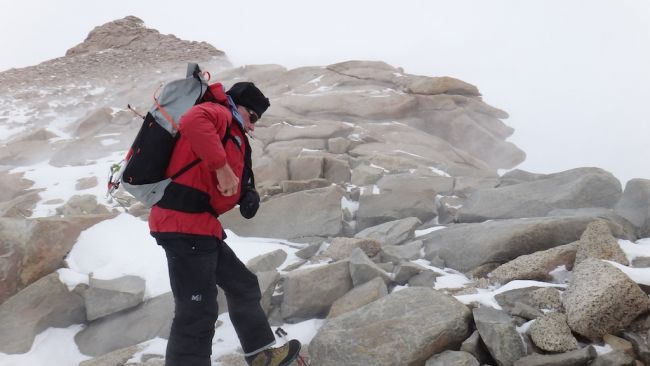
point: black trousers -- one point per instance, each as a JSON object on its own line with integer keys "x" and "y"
{"x": 196, "y": 266}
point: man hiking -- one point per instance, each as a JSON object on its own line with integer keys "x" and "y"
{"x": 198, "y": 259}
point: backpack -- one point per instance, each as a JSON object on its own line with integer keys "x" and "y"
{"x": 143, "y": 172}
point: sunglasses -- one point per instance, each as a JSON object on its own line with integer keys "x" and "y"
{"x": 252, "y": 115}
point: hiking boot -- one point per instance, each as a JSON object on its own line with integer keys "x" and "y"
{"x": 279, "y": 356}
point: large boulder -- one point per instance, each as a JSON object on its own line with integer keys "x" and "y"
{"x": 341, "y": 248}
{"x": 404, "y": 328}
{"x": 309, "y": 293}
{"x": 551, "y": 333}
{"x": 392, "y": 232}
{"x": 597, "y": 242}
{"x": 635, "y": 205}
{"x": 45, "y": 303}
{"x": 33, "y": 248}
{"x": 105, "y": 297}
{"x": 359, "y": 296}
{"x": 149, "y": 320}
{"x": 400, "y": 196}
{"x": 601, "y": 299}
{"x": 315, "y": 212}
{"x": 576, "y": 188}
{"x": 467, "y": 246}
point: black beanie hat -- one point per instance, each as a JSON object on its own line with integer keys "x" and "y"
{"x": 247, "y": 95}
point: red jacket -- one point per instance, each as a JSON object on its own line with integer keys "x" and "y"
{"x": 202, "y": 129}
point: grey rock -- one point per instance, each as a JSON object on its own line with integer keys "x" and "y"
{"x": 579, "y": 357}
{"x": 465, "y": 186}
{"x": 639, "y": 345}
{"x": 342, "y": 248}
{"x": 267, "y": 281}
{"x": 291, "y": 186}
{"x": 424, "y": 279}
{"x": 466, "y": 246}
{"x": 315, "y": 212}
{"x": 601, "y": 299}
{"x": 117, "y": 357}
{"x": 309, "y": 293}
{"x": 576, "y": 188}
{"x": 305, "y": 168}
{"x": 362, "y": 269}
{"x": 475, "y": 346}
{"x": 400, "y": 196}
{"x": 151, "y": 319}
{"x": 406, "y": 271}
{"x": 45, "y": 303}
{"x": 85, "y": 183}
{"x": 359, "y": 296}
{"x": 398, "y": 253}
{"x": 105, "y": 297}
{"x": 498, "y": 332}
{"x": 526, "y": 311}
{"x": 365, "y": 175}
{"x": 614, "y": 358}
{"x": 336, "y": 170}
{"x": 267, "y": 262}
{"x": 393, "y": 232}
{"x": 546, "y": 298}
{"x": 519, "y": 176}
{"x": 634, "y": 205}
{"x": 418, "y": 322}
{"x": 509, "y": 299}
{"x": 309, "y": 251}
{"x": 620, "y": 226}
{"x": 535, "y": 266}
{"x": 294, "y": 265}
{"x": 452, "y": 358}
{"x": 81, "y": 205}
{"x": 597, "y": 242}
{"x": 551, "y": 333}
{"x": 338, "y": 145}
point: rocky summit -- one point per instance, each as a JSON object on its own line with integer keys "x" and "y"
{"x": 404, "y": 242}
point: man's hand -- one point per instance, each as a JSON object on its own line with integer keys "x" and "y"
{"x": 227, "y": 181}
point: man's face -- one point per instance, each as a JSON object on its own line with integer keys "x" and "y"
{"x": 250, "y": 117}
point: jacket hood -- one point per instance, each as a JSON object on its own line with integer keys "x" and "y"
{"x": 216, "y": 94}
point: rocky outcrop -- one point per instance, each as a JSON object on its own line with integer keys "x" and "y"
{"x": 552, "y": 333}
{"x": 497, "y": 329}
{"x": 536, "y": 266}
{"x": 467, "y": 246}
{"x": 576, "y": 188}
{"x": 634, "y": 205}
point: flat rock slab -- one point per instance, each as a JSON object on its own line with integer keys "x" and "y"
{"x": 151, "y": 319}
{"x": 404, "y": 328}
{"x": 574, "y": 358}
{"x": 466, "y": 246}
{"x": 575, "y": 188}
{"x": 105, "y": 297}
{"x": 392, "y": 232}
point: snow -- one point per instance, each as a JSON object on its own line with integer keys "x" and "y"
{"x": 422, "y": 232}
{"x": 486, "y": 297}
{"x": 439, "y": 172}
{"x": 59, "y": 182}
{"x": 633, "y": 251}
{"x": 352, "y": 206}
{"x": 107, "y": 254}
{"x": 54, "y": 346}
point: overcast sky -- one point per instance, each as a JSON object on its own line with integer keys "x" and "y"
{"x": 573, "y": 74}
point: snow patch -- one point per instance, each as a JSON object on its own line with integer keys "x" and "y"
{"x": 54, "y": 346}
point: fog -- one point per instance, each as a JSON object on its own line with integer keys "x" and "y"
{"x": 572, "y": 74}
